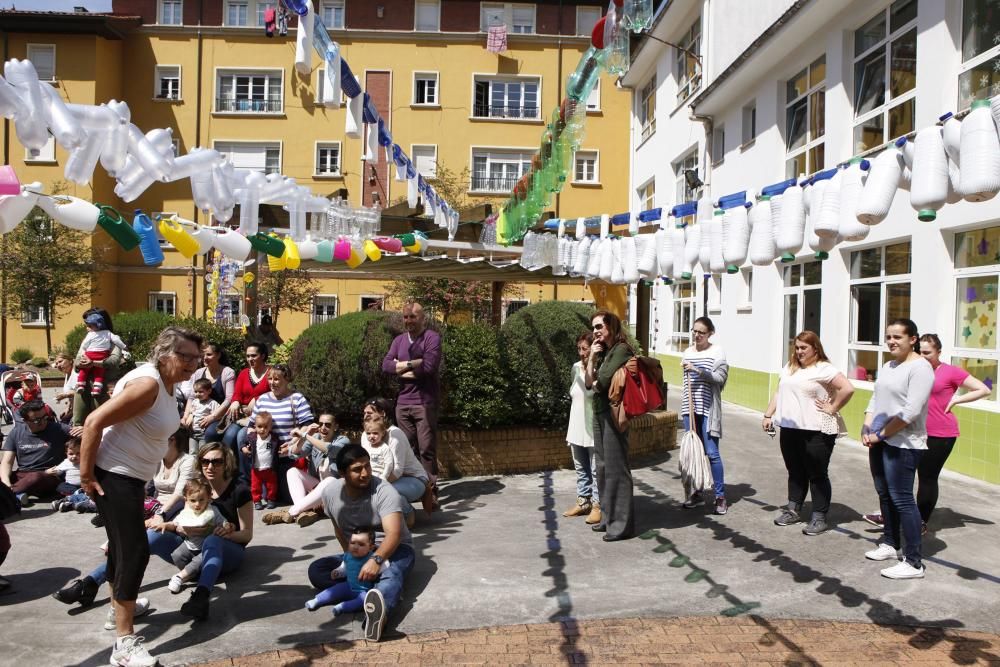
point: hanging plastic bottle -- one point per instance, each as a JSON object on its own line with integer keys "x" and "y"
{"x": 584, "y": 78}
{"x": 617, "y": 263}
{"x": 777, "y": 203}
{"x": 291, "y": 256}
{"x": 29, "y": 117}
{"x": 735, "y": 237}
{"x": 826, "y": 221}
{"x": 637, "y": 15}
{"x": 645, "y": 246}
{"x": 692, "y": 250}
{"x": 278, "y": 263}
{"x": 232, "y": 244}
{"x": 582, "y": 257}
{"x": 880, "y": 186}
{"x": 149, "y": 244}
{"x": 980, "y": 154}
{"x": 372, "y": 251}
{"x": 268, "y": 244}
{"x": 112, "y": 222}
{"x": 630, "y": 260}
{"x": 308, "y": 249}
{"x": 762, "y": 249}
{"x": 951, "y": 132}
{"x": 677, "y": 241}
{"x": 820, "y": 245}
{"x": 389, "y": 244}
{"x": 607, "y": 265}
{"x": 342, "y": 249}
{"x": 82, "y": 162}
{"x": 178, "y": 237}
{"x": 593, "y": 269}
{"x": 203, "y": 236}
{"x": 790, "y": 232}
{"x": 15, "y": 208}
{"x": 704, "y": 244}
{"x": 619, "y": 54}
{"x": 717, "y": 262}
{"x": 357, "y": 257}
{"x": 929, "y": 182}
{"x": 324, "y": 251}
{"x": 849, "y": 228}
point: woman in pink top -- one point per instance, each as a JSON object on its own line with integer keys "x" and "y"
{"x": 942, "y": 426}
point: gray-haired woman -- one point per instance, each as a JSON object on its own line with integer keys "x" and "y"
{"x": 124, "y": 441}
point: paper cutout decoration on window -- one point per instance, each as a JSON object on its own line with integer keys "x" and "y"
{"x": 970, "y": 294}
{"x": 966, "y": 332}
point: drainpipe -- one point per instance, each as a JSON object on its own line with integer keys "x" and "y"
{"x": 708, "y": 123}
{"x": 197, "y": 142}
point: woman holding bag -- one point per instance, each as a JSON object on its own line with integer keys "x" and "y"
{"x": 806, "y": 406}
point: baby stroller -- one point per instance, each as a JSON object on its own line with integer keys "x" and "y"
{"x": 10, "y": 382}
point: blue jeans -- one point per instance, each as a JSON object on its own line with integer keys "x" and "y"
{"x": 234, "y": 438}
{"x": 893, "y": 471}
{"x": 712, "y": 450}
{"x": 390, "y": 584}
{"x": 585, "y": 464}
{"x": 212, "y": 433}
{"x": 411, "y": 489}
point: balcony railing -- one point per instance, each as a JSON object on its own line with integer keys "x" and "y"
{"x": 228, "y": 105}
{"x": 488, "y": 183}
{"x": 514, "y": 112}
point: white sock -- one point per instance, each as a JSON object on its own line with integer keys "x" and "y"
{"x": 118, "y": 642}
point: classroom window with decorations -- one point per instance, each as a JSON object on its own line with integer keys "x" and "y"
{"x": 977, "y": 271}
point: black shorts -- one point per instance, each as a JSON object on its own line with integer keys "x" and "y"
{"x": 128, "y": 547}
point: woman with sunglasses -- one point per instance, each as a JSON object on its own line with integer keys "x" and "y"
{"x": 706, "y": 371}
{"x": 216, "y": 370}
{"x": 608, "y": 353}
{"x": 122, "y": 445}
{"x": 251, "y": 382}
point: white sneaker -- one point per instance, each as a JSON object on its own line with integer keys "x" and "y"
{"x": 128, "y": 651}
{"x": 882, "y": 552}
{"x": 176, "y": 584}
{"x": 141, "y": 609}
{"x": 903, "y": 570}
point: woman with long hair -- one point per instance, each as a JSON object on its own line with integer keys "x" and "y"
{"x": 806, "y": 407}
{"x": 895, "y": 432}
{"x": 608, "y": 353}
{"x": 251, "y": 382}
{"x": 215, "y": 368}
{"x": 706, "y": 371}
{"x": 580, "y": 437}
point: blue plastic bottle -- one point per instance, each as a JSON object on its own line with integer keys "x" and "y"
{"x": 149, "y": 245}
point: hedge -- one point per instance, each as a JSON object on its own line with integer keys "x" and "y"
{"x": 476, "y": 391}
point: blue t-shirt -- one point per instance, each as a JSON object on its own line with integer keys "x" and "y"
{"x": 352, "y": 566}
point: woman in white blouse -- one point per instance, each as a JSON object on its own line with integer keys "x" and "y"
{"x": 806, "y": 406}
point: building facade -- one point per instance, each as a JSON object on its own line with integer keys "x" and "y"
{"x": 208, "y": 71}
{"x": 780, "y": 88}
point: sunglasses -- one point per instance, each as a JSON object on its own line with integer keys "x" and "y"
{"x": 212, "y": 462}
{"x": 326, "y": 424}
{"x": 598, "y": 327}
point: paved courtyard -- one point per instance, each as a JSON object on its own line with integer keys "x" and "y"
{"x": 501, "y": 573}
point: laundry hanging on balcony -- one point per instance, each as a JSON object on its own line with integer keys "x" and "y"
{"x": 496, "y": 39}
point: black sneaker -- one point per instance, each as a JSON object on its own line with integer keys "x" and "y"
{"x": 80, "y": 590}
{"x": 258, "y": 505}
{"x": 271, "y": 505}
{"x": 374, "y": 615}
{"x": 197, "y": 605}
{"x": 97, "y": 521}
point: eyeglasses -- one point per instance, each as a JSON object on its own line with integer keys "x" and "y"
{"x": 326, "y": 424}
{"x": 188, "y": 357}
{"x": 212, "y": 462}
{"x": 699, "y": 332}
{"x": 38, "y": 420}
{"x": 598, "y": 327}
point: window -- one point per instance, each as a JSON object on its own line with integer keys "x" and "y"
{"x": 424, "y": 160}
{"x": 332, "y": 13}
{"x": 684, "y": 314}
{"x": 594, "y": 99}
{"x": 163, "y": 302}
{"x": 259, "y": 156}
{"x": 168, "y": 82}
{"x": 885, "y": 75}
{"x": 803, "y": 298}
{"x": 979, "y": 78}
{"x": 749, "y": 123}
{"x": 425, "y": 88}
{"x": 684, "y": 191}
{"x": 498, "y": 171}
{"x": 518, "y": 18}
{"x": 880, "y": 292}
{"x": 977, "y": 274}
{"x": 43, "y": 57}
{"x": 511, "y": 306}
{"x": 249, "y": 92}
{"x": 231, "y": 306}
{"x": 33, "y": 315}
{"x": 586, "y": 17}
{"x": 805, "y": 120}
{"x": 746, "y": 276}
{"x": 328, "y": 159}
{"x": 321, "y": 86}
{"x": 686, "y": 66}
{"x": 324, "y": 308}
{"x": 647, "y": 195}
{"x": 236, "y": 12}
{"x": 170, "y": 12}
{"x": 262, "y": 7}
{"x": 428, "y": 15}
{"x": 506, "y": 98}
{"x": 46, "y": 154}
{"x": 647, "y": 109}
{"x": 585, "y": 167}
{"x": 372, "y": 302}
{"x": 718, "y": 144}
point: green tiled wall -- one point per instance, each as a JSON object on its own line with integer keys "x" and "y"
{"x": 977, "y": 453}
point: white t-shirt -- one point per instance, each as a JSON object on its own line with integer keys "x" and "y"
{"x": 797, "y": 395}
{"x": 383, "y": 459}
{"x": 265, "y": 455}
{"x": 135, "y": 447}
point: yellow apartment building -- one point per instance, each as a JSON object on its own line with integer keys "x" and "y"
{"x": 208, "y": 71}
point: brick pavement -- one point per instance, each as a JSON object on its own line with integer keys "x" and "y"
{"x": 747, "y": 639}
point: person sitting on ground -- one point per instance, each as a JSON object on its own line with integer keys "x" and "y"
{"x": 397, "y": 465}
{"x": 262, "y": 448}
{"x": 348, "y": 596}
{"x": 200, "y": 408}
{"x": 37, "y": 443}
{"x": 383, "y": 407}
{"x": 360, "y": 499}
{"x": 222, "y": 381}
{"x": 250, "y": 383}
{"x": 318, "y": 445}
{"x": 68, "y": 471}
{"x": 194, "y": 523}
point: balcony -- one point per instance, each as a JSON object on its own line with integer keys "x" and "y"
{"x": 488, "y": 183}
{"x": 505, "y": 112}
{"x": 229, "y": 105}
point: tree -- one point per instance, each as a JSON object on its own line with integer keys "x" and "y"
{"x": 446, "y": 296}
{"x": 46, "y": 266}
{"x": 285, "y": 290}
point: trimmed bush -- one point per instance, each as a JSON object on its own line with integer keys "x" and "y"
{"x": 230, "y": 339}
{"x": 475, "y": 381}
{"x": 338, "y": 364}
{"x": 21, "y": 355}
{"x": 39, "y": 362}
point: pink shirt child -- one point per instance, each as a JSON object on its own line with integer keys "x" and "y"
{"x": 947, "y": 380}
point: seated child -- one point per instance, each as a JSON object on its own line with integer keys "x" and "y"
{"x": 262, "y": 450}
{"x": 198, "y": 519}
{"x": 69, "y": 471}
{"x": 201, "y": 406}
{"x": 28, "y": 391}
{"x": 348, "y": 597}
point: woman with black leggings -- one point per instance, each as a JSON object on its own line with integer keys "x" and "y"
{"x": 124, "y": 441}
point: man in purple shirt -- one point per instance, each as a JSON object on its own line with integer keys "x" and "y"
{"x": 415, "y": 358}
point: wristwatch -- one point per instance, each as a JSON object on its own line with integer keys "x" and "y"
{"x": 378, "y": 559}
{"x": 409, "y": 365}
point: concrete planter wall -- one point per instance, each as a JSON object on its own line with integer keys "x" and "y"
{"x": 507, "y": 451}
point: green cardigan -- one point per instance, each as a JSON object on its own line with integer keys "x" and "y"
{"x": 614, "y": 359}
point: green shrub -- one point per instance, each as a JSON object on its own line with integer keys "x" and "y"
{"x": 74, "y": 338}
{"x": 282, "y": 353}
{"x": 338, "y": 364}
{"x": 21, "y": 355}
{"x": 40, "y": 362}
{"x": 230, "y": 339}
{"x": 475, "y": 381}
{"x": 538, "y": 344}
